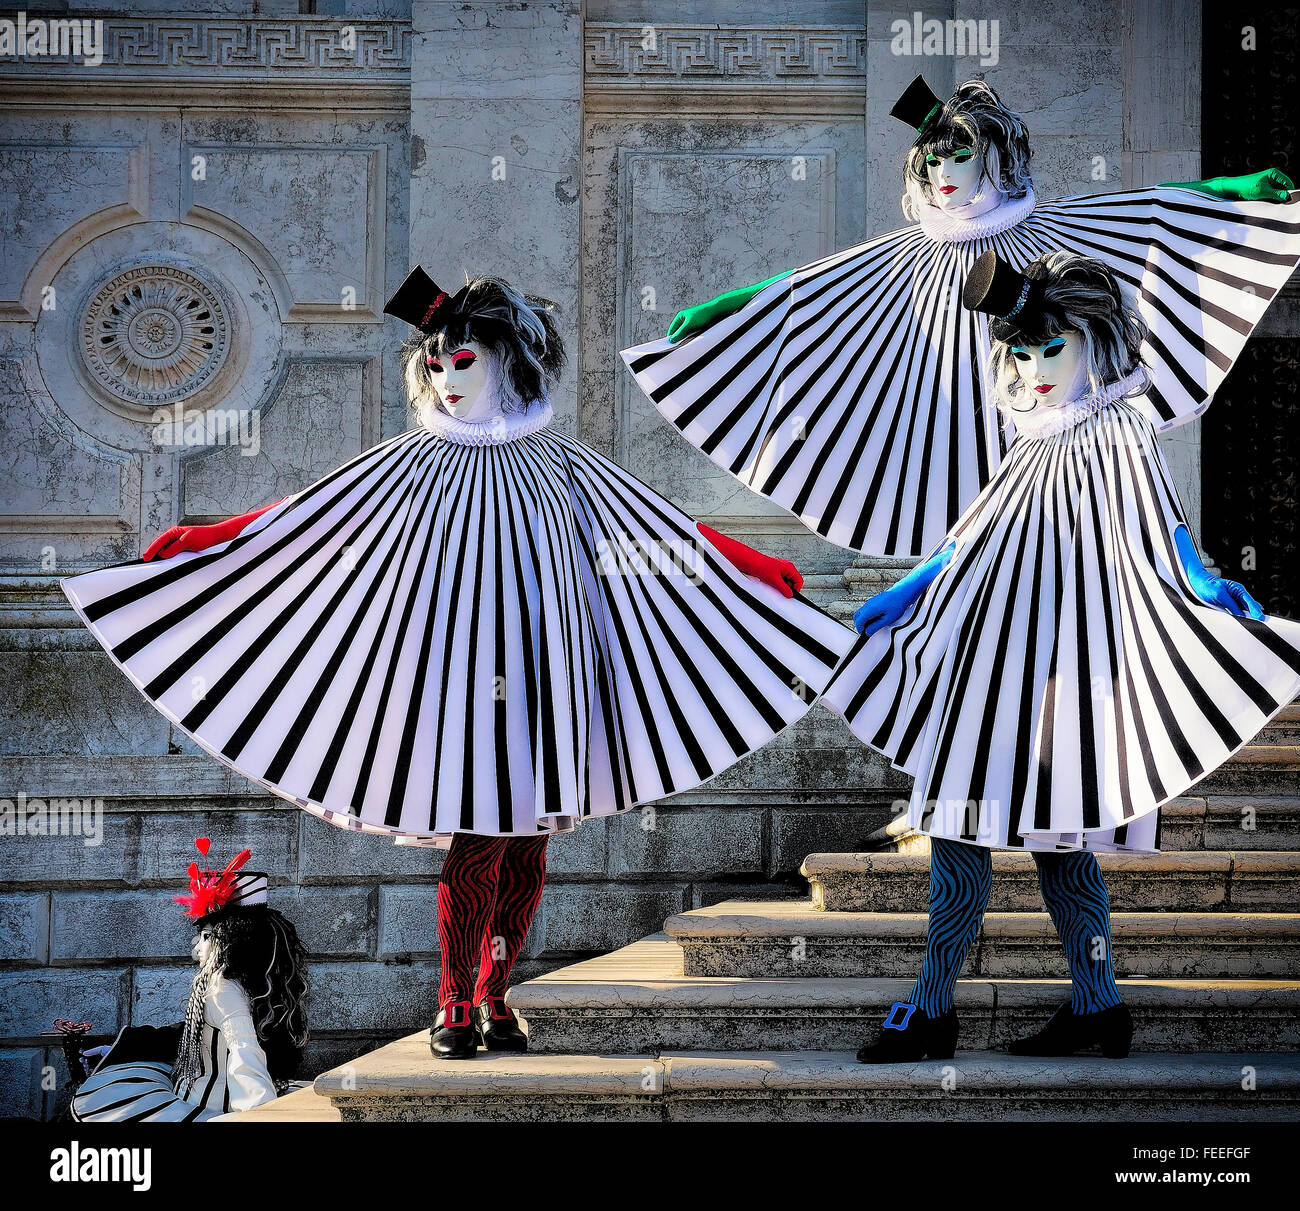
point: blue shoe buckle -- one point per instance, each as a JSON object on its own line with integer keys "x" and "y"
{"x": 908, "y": 1009}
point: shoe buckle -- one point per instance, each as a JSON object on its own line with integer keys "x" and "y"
{"x": 456, "y": 1013}
{"x": 907, "y": 1008}
{"x": 499, "y": 1010}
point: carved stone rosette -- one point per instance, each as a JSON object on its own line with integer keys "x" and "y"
{"x": 154, "y": 334}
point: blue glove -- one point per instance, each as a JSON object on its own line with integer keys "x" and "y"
{"x": 887, "y": 607}
{"x": 1214, "y": 590}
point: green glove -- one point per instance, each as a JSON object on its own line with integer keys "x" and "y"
{"x": 1271, "y": 185}
{"x": 694, "y": 319}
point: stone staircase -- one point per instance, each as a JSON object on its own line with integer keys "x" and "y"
{"x": 751, "y": 1010}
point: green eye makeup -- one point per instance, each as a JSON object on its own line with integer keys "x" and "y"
{"x": 960, "y": 156}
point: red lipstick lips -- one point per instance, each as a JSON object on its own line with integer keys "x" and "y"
{"x": 1044, "y": 388}
{"x": 947, "y": 188}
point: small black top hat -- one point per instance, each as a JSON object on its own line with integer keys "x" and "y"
{"x": 917, "y": 105}
{"x": 997, "y": 288}
{"x": 421, "y": 302}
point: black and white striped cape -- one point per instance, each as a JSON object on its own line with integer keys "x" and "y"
{"x": 1059, "y": 679}
{"x": 852, "y": 392}
{"x": 458, "y": 633}
{"x": 133, "y": 1082}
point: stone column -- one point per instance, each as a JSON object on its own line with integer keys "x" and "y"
{"x": 496, "y": 142}
{"x": 1162, "y": 142}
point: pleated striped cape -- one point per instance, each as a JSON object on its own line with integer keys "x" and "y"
{"x": 1059, "y": 680}
{"x": 133, "y": 1082}
{"x": 489, "y": 630}
{"x": 852, "y": 392}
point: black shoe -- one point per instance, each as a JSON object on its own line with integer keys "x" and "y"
{"x": 1068, "y": 1032}
{"x": 454, "y": 1034}
{"x": 499, "y": 1026}
{"x": 908, "y": 1034}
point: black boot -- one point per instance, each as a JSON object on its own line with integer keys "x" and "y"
{"x": 499, "y": 1026}
{"x": 908, "y": 1034}
{"x": 454, "y": 1035}
{"x": 1068, "y": 1032}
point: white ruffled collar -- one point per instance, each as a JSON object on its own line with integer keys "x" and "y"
{"x": 945, "y": 228}
{"x": 505, "y": 427}
{"x": 1045, "y": 422}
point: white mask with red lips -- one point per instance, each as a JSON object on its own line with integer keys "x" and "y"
{"x": 465, "y": 381}
{"x": 962, "y": 184}
{"x": 1052, "y": 374}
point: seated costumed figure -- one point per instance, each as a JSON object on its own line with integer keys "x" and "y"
{"x": 850, "y": 391}
{"x": 1062, "y": 662}
{"x": 473, "y": 635}
{"x": 245, "y": 1025}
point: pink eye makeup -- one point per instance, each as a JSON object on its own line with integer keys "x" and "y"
{"x": 462, "y": 359}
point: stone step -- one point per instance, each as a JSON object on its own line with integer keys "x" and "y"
{"x": 300, "y": 1106}
{"x": 1256, "y": 769}
{"x": 402, "y": 1082}
{"x": 1285, "y": 727}
{"x": 1212, "y": 822}
{"x": 1222, "y": 881}
{"x": 825, "y": 589}
{"x": 636, "y": 1000}
{"x": 772, "y": 938}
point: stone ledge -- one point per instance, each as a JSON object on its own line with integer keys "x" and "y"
{"x": 791, "y": 937}
{"x": 1199, "y": 879}
{"x": 300, "y": 1106}
{"x": 1273, "y": 756}
{"x": 782, "y": 918}
{"x": 832, "y": 1086}
{"x": 402, "y": 1082}
{"x": 1188, "y": 824}
{"x": 637, "y": 999}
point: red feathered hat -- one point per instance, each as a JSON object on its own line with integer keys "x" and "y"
{"x": 210, "y": 891}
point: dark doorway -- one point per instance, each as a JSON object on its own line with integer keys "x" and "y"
{"x": 1251, "y": 436}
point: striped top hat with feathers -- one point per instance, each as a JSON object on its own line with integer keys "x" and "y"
{"x": 211, "y": 891}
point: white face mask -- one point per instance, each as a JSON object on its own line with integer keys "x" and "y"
{"x": 955, "y": 180}
{"x": 1053, "y": 373}
{"x": 201, "y": 949}
{"x": 462, "y": 380}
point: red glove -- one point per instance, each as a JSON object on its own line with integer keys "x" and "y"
{"x": 199, "y": 538}
{"x": 779, "y": 573}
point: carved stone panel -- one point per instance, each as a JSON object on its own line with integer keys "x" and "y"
{"x": 318, "y": 211}
{"x": 63, "y": 489}
{"x": 311, "y": 425}
{"x": 46, "y": 191}
{"x": 693, "y": 225}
